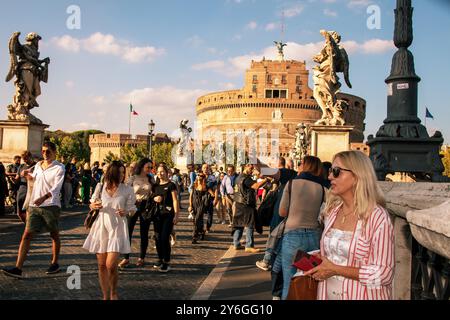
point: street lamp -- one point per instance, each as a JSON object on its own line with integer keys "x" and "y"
{"x": 151, "y": 129}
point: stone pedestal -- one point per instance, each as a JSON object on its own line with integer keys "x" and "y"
{"x": 182, "y": 162}
{"x": 326, "y": 141}
{"x": 17, "y": 137}
{"x": 431, "y": 228}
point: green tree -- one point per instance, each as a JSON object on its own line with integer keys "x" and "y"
{"x": 110, "y": 157}
{"x": 69, "y": 147}
{"x": 163, "y": 153}
{"x": 134, "y": 154}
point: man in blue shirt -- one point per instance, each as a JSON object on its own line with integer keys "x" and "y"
{"x": 227, "y": 191}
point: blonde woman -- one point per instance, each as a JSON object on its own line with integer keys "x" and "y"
{"x": 108, "y": 237}
{"x": 357, "y": 246}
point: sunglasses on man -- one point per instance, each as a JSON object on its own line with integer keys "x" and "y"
{"x": 336, "y": 171}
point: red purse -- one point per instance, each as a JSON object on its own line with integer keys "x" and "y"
{"x": 305, "y": 261}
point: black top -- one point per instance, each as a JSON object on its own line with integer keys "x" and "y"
{"x": 243, "y": 192}
{"x": 165, "y": 191}
{"x": 286, "y": 175}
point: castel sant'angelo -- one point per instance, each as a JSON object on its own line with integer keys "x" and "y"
{"x": 276, "y": 95}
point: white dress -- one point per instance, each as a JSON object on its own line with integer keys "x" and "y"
{"x": 337, "y": 248}
{"x": 109, "y": 233}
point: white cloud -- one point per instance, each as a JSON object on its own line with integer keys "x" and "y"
{"x": 85, "y": 126}
{"x": 169, "y": 100}
{"x": 236, "y": 66}
{"x": 376, "y": 46}
{"x": 294, "y": 10}
{"x": 252, "y": 25}
{"x": 228, "y": 86}
{"x": 67, "y": 43}
{"x": 107, "y": 44}
{"x": 330, "y": 13}
{"x": 167, "y": 106}
{"x": 271, "y": 26}
{"x": 215, "y": 64}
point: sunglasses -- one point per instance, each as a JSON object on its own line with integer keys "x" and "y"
{"x": 336, "y": 171}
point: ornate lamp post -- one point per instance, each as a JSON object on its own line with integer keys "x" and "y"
{"x": 402, "y": 144}
{"x": 151, "y": 129}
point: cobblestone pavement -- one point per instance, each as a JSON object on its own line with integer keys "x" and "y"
{"x": 190, "y": 265}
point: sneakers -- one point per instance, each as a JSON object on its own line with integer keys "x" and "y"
{"x": 263, "y": 265}
{"x": 275, "y": 298}
{"x": 252, "y": 250}
{"x": 164, "y": 268}
{"x": 158, "y": 265}
{"x": 14, "y": 272}
{"x": 239, "y": 247}
{"x": 54, "y": 268}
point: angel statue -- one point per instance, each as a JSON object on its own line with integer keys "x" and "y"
{"x": 29, "y": 71}
{"x": 333, "y": 59}
{"x": 280, "y": 46}
{"x": 185, "y": 138}
{"x": 302, "y": 136}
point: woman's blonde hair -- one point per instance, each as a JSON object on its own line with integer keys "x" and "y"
{"x": 367, "y": 193}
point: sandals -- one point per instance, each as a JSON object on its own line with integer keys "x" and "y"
{"x": 140, "y": 263}
{"x": 124, "y": 263}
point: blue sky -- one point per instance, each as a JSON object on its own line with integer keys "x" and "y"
{"x": 163, "y": 55}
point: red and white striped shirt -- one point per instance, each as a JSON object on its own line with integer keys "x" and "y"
{"x": 372, "y": 251}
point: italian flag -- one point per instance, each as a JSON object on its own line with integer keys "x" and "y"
{"x": 132, "y": 111}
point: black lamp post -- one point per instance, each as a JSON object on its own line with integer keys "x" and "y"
{"x": 151, "y": 129}
{"x": 402, "y": 144}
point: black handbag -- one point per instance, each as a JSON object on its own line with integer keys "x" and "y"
{"x": 90, "y": 219}
{"x": 92, "y": 214}
{"x": 151, "y": 211}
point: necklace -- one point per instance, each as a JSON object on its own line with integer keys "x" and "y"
{"x": 344, "y": 216}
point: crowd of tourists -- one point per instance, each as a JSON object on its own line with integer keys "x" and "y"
{"x": 332, "y": 212}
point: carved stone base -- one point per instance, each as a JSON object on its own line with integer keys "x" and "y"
{"x": 17, "y": 137}
{"x": 182, "y": 162}
{"x": 416, "y": 156}
{"x": 326, "y": 141}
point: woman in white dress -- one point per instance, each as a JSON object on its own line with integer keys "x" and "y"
{"x": 109, "y": 236}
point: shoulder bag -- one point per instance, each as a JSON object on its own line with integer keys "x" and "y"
{"x": 92, "y": 214}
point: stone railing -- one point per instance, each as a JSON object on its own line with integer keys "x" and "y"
{"x": 421, "y": 217}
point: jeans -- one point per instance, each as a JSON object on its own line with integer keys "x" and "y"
{"x": 163, "y": 229}
{"x": 145, "y": 227}
{"x": 237, "y": 235}
{"x": 300, "y": 239}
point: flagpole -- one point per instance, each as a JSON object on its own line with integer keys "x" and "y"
{"x": 129, "y": 121}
